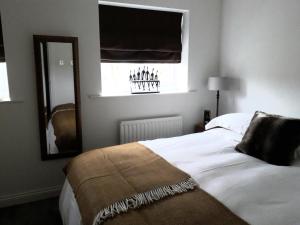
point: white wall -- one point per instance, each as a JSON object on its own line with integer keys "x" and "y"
{"x": 261, "y": 48}
{"x": 21, "y": 169}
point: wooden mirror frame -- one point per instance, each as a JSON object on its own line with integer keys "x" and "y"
{"x": 37, "y": 39}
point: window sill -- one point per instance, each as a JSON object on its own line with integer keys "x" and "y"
{"x": 91, "y": 96}
{"x": 9, "y": 101}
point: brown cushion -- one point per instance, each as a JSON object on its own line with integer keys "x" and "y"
{"x": 271, "y": 138}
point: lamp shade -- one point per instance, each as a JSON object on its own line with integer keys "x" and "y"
{"x": 218, "y": 83}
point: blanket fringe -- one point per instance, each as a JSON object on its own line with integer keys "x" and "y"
{"x": 141, "y": 199}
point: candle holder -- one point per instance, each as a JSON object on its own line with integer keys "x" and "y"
{"x": 144, "y": 82}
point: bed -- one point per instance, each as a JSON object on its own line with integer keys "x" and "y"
{"x": 52, "y": 148}
{"x": 61, "y": 129}
{"x": 257, "y": 192}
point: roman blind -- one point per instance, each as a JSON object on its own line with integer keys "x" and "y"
{"x": 139, "y": 35}
{"x": 2, "y": 55}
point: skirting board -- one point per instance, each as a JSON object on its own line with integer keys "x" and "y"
{"x": 30, "y": 196}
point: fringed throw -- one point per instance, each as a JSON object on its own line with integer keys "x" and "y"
{"x": 140, "y": 199}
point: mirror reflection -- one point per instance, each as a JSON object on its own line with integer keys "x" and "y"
{"x": 61, "y": 132}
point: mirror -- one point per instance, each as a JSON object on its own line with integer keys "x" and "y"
{"x": 57, "y": 75}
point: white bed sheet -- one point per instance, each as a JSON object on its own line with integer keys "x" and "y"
{"x": 260, "y": 193}
{"x": 52, "y": 148}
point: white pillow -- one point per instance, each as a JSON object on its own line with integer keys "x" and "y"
{"x": 237, "y": 122}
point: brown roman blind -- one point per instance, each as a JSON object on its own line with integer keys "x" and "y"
{"x": 139, "y": 35}
{"x": 2, "y": 55}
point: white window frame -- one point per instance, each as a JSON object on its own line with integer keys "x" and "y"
{"x": 185, "y": 45}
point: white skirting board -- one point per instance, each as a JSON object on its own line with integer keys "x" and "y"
{"x": 29, "y": 196}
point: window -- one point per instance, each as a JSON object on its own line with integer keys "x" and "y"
{"x": 133, "y": 40}
{"x": 4, "y": 91}
{"x": 115, "y": 82}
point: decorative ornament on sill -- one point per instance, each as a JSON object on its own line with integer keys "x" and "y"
{"x": 143, "y": 82}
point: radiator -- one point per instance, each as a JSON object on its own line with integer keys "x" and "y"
{"x": 149, "y": 129}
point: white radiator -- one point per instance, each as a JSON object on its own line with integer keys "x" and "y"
{"x": 149, "y": 129}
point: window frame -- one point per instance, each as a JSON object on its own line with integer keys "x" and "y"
{"x": 185, "y": 46}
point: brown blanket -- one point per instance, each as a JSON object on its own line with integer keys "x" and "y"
{"x": 64, "y": 125}
{"x": 105, "y": 176}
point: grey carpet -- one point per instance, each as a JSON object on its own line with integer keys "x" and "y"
{"x": 43, "y": 212}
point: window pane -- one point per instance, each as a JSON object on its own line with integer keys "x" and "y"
{"x": 115, "y": 77}
{"x": 4, "y": 91}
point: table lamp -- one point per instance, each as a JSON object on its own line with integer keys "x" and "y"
{"x": 218, "y": 84}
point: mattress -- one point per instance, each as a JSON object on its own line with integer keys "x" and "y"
{"x": 260, "y": 193}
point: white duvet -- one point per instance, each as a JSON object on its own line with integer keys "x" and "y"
{"x": 260, "y": 193}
